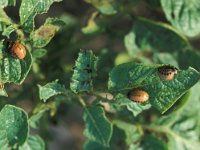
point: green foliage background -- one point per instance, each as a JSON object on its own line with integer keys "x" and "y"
{"x": 83, "y": 57}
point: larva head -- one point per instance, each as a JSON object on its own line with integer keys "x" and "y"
{"x": 167, "y": 72}
{"x": 18, "y": 50}
{"x": 138, "y": 95}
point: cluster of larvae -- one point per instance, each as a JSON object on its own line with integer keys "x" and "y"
{"x": 141, "y": 96}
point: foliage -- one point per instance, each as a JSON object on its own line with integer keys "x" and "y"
{"x": 121, "y": 48}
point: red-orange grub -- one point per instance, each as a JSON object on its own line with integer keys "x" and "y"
{"x": 18, "y": 50}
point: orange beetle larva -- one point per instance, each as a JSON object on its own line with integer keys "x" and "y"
{"x": 138, "y": 95}
{"x": 167, "y": 72}
{"x": 17, "y": 50}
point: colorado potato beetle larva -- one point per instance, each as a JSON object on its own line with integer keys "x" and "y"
{"x": 167, "y": 72}
{"x": 17, "y": 50}
{"x": 138, "y": 95}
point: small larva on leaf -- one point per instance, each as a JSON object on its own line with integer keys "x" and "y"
{"x": 167, "y": 72}
{"x": 17, "y": 50}
{"x": 138, "y": 95}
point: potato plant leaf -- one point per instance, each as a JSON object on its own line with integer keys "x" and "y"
{"x": 2, "y": 26}
{"x": 106, "y": 7}
{"x": 70, "y": 20}
{"x": 182, "y": 126}
{"x": 132, "y": 132}
{"x": 29, "y": 9}
{"x": 42, "y": 36}
{"x": 7, "y": 31}
{"x": 163, "y": 94}
{"x": 4, "y": 19}
{"x": 50, "y": 89}
{"x": 189, "y": 57}
{"x": 13, "y": 69}
{"x": 149, "y": 142}
{"x": 165, "y": 58}
{"x": 92, "y": 26}
{"x": 5, "y": 3}
{"x": 90, "y": 145}
{"x": 184, "y": 15}
{"x": 120, "y": 102}
{"x": 33, "y": 143}
{"x": 15, "y": 122}
{"x": 3, "y": 140}
{"x": 40, "y": 111}
{"x": 84, "y": 71}
{"x": 39, "y": 53}
{"x": 34, "y": 120}
{"x": 97, "y": 126}
{"x": 147, "y": 36}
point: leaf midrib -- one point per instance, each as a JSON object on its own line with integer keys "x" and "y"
{"x": 96, "y": 126}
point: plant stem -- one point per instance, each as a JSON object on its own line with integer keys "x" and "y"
{"x": 82, "y": 102}
{"x": 154, "y": 128}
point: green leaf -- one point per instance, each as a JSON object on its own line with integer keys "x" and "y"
{"x": 189, "y": 58}
{"x": 193, "y": 102}
{"x": 15, "y": 122}
{"x": 179, "y": 142}
{"x": 4, "y": 19}
{"x": 5, "y": 3}
{"x": 34, "y": 120}
{"x": 165, "y": 58}
{"x": 70, "y": 21}
{"x": 182, "y": 126}
{"x": 150, "y": 142}
{"x": 106, "y": 7}
{"x": 84, "y": 71}
{"x": 2, "y": 26}
{"x": 50, "y": 89}
{"x": 120, "y": 102}
{"x": 90, "y": 145}
{"x": 42, "y": 36}
{"x": 97, "y": 127}
{"x": 123, "y": 57}
{"x": 92, "y": 26}
{"x": 184, "y": 15}
{"x": 33, "y": 143}
{"x": 132, "y": 132}
{"x": 7, "y": 31}
{"x": 13, "y": 69}
{"x": 29, "y": 9}
{"x": 39, "y": 53}
{"x": 147, "y": 36}
{"x": 163, "y": 94}
{"x": 130, "y": 75}
{"x": 39, "y": 111}
{"x": 3, "y": 140}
